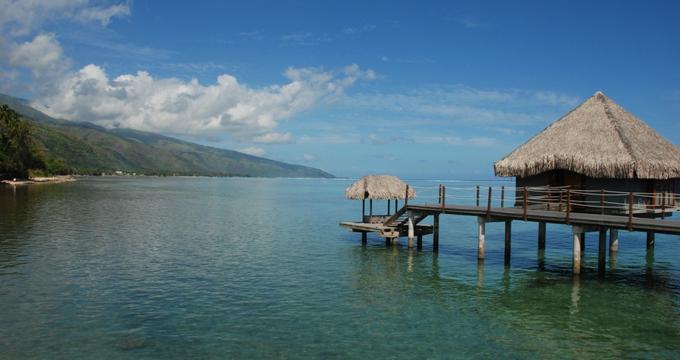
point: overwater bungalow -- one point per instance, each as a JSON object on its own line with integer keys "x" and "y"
{"x": 598, "y": 147}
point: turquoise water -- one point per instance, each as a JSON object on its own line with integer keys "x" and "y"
{"x": 165, "y": 268}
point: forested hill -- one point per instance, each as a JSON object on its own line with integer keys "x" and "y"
{"x": 85, "y": 148}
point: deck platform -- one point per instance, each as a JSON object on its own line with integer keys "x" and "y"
{"x": 665, "y": 226}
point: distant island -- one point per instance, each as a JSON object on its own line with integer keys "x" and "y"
{"x": 61, "y": 147}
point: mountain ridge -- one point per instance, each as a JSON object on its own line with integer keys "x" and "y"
{"x": 87, "y": 148}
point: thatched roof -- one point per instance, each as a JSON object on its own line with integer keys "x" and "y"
{"x": 379, "y": 187}
{"x": 598, "y": 139}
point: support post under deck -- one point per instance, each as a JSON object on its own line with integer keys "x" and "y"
{"x": 541, "y": 235}
{"x": 577, "y": 232}
{"x": 481, "y": 232}
{"x": 613, "y": 240}
{"x": 650, "y": 239}
{"x": 410, "y": 231}
{"x": 508, "y": 239}
{"x": 601, "y": 251}
{"x": 435, "y": 233}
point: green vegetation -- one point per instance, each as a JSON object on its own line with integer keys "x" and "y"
{"x": 83, "y": 148}
{"x": 18, "y": 154}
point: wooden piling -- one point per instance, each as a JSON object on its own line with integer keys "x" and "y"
{"x": 477, "y": 196}
{"x": 541, "y": 235}
{"x": 410, "y": 231}
{"x": 583, "y": 243}
{"x": 419, "y": 241}
{"x": 601, "y": 252}
{"x": 502, "y": 196}
{"x": 435, "y": 233}
{"x": 613, "y": 240}
{"x": 577, "y": 231}
{"x": 364, "y": 237}
{"x": 650, "y": 239}
{"x": 388, "y": 206}
{"x": 508, "y": 240}
{"x": 481, "y": 233}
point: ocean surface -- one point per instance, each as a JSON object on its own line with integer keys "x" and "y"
{"x": 188, "y": 268}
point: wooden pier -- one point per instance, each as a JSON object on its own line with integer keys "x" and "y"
{"x": 601, "y": 215}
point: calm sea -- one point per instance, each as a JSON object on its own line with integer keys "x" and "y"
{"x": 185, "y": 268}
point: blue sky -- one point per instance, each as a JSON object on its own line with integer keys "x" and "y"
{"x": 417, "y": 89}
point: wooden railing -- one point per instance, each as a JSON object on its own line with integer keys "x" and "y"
{"x": 563, "y": 199}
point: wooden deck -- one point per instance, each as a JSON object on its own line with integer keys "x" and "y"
{"x": 633, "y": 213}
{"x": 666, "y": 226}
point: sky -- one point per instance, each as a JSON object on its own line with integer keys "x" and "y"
{"x": 418, "y": 89}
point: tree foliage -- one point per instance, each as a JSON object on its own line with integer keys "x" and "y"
{"x": 17, "y": 151}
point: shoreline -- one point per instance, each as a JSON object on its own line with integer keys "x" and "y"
{"x": 41, "y": 180}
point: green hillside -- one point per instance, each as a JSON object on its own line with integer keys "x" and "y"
{"x": 86, "y": 148}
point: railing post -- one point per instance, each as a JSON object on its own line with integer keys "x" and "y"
{"x": 488, "y": 203}
{"x": 526, "y": 202}
{"x": 663, "y": 207}
{"x": 502, "y": 196}
{"x": 440, "y": 194}
{"x": 547, "y": 205}
{"x": 443, "y": 197}
{"x": 601, "y": 201}
{"x": 406, "y": 196}
{"x": 630, "y": 211}
{"x": 561, "y": 199}
{"x": 477, "y": 195}
{"x": 568, "y": 203}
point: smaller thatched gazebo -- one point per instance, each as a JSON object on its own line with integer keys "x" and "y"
{"x": 379, "y": 187}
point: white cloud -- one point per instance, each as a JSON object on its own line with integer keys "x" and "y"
{"x": 475, "y": 141}
{"x": 304, "y": 39}
{"x": 142, "y": 101}
{"x": 171, "y": 105}
{"x": 42, "y": 54}
{"x": 274, "y": 138}
{"x": 359, "y": 29}
{"x": 19, "y": 18}
{"x": 255, "y": 151}
{"x": 103, "y": 14}
{"x": 466, "y": 105}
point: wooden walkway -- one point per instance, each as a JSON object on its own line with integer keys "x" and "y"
{"x": 399, "y": 225}
{"x": 665, "y": 226}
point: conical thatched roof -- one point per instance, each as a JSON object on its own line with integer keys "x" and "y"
{"x": 598, "y": 139}
{"x": 379, "y": 187}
